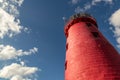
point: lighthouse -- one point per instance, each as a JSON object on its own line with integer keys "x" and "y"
{"x": 89, "y": 55}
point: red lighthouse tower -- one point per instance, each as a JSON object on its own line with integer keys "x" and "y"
{"x": 89, "y": 56}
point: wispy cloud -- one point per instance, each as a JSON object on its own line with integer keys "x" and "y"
{"x": 115, "y": 21}
{"x": 88, "y": 5}
{"x": 9, "y": 52}
{"x": 11, "y": 6}
{"x": 74, "y": 1}
{"x": 79, "y": 9}
{"x": 17, "y": 72}
{"x": 9, "y": 23}
{"x": 94, "y": 2}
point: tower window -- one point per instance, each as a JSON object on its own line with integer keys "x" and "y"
{"x": 67, "y": 46}
{"x": 66, "y": 34}
{"x": 65, "y": 65}
{"x": 95, "y": 34}
{"x": 88, "y": 24}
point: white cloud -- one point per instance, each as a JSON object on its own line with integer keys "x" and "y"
{"x": 11, "y": 6}
{"x": 74, "y": 1}
{"x": 9, "y": 52}
{"x": 88, "y": 5}
{"x": 22, "y": 63}
{"x": 94, "y": 2}
{"x": 115, "y": 21}
{"x": 78, "y": 9}
{"x": 9, "y": 23}
{"x": 115, "y": 18}
{"x": 17, "y": 72}
{"x": 19, "y": 2}
{"x": 10, "y": 26}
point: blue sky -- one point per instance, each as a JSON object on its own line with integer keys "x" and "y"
{"x": 32, "y": 41}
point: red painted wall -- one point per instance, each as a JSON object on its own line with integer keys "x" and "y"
{"x": 89, "y": 56}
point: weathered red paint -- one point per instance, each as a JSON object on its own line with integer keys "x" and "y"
{"x": 89, "y": 56}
